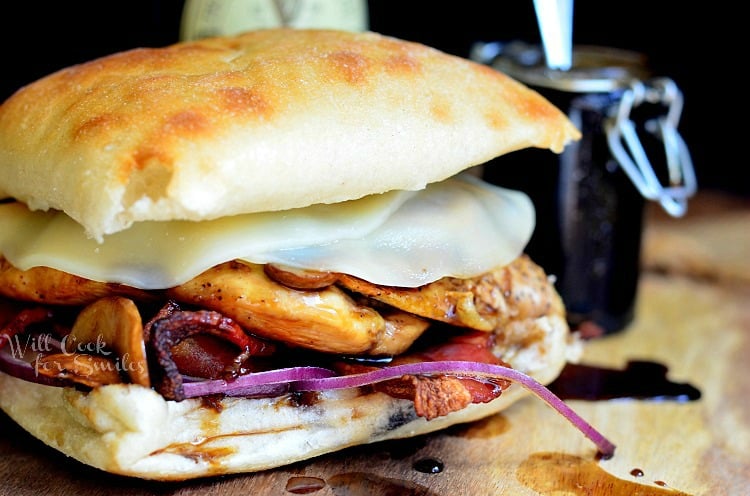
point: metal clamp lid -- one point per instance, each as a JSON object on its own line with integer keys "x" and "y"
{"x": 621, "y": 73}
{"x": 595, "y": 69}
{"x": 626, "y": 146}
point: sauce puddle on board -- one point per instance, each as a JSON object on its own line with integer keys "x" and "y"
{"x": 641, "y": 380}
{"x": 557, "y": 473}
{"x": 428, "y": 465}
{"x": 304, "y": 484}
{"x": 546, "y": 473}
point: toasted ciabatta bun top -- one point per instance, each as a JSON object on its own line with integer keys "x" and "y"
{"x": 267, "y": 120}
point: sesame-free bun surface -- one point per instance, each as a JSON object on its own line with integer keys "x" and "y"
{"x": 267, "y": 120}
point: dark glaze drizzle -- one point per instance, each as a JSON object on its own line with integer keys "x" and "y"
{"x": 428, "y": 465}
{"x": 642, "y": 380}
{"x": 304, "y": 484}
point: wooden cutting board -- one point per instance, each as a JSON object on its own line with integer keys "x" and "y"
{"x": 696, "y": 326}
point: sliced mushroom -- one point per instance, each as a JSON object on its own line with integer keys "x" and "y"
{"x": 327, "y": 320}
{"x": 299, "y": 278}
{"x": 89, "y": 370}
{"x": 112, "y": 324}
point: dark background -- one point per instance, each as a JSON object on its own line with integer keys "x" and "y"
{"x": 697, "y": 44}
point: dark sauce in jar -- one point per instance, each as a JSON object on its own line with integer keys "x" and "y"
{"x": 589, "y": 212}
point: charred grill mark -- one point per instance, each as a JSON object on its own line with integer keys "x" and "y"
{"x": 399, "y": 417}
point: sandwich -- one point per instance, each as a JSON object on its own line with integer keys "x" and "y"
{"x": 232, "y": 254}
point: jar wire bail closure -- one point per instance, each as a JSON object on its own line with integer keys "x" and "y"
{"x": 626, "y": 147}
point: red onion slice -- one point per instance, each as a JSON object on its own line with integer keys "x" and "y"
{"x": 462, "y": 368}
{"x": 281, "y": 381}
{"x": 321, "y": 379}
{"x": 257, "y": 384}
{"x": 21, "y": 369}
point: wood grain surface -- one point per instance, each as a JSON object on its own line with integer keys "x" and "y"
{"x": 694, "y": 322}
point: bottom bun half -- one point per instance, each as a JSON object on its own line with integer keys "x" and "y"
{"x": 131, "y": 430}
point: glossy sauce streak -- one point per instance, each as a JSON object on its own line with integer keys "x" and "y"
{"x": 200, "y": 452}
{"x": 304, "y": 485}
{"x": 641, "y": 380}
{"x": 362, "y": 484}
{"x": 429, "y": 465}
{"x": 556, "y": 473}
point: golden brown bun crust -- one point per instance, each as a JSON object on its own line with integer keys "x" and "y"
{"x": 131, "y": 430}
{"x": 268, "y": 120}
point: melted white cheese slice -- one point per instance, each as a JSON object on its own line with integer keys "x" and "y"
{"x": 459, "y": 227}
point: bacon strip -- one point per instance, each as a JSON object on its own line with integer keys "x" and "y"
{"x": 179, "y": 325}
{"x": 440, "y": 395}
